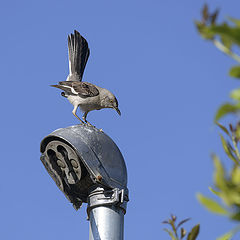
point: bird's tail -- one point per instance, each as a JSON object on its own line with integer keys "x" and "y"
{"x": 78, "y": 52}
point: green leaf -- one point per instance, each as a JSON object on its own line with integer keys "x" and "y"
{"x": 235, "y": 175}
{"x": 227, "y": 42}
{"x": 234, "y": 20}
{"x": 194, "y": 233}
{"x": 223, "y": 128}
{"x": 235, "y": 216}
{"x": 228, "y": 150}
{"x": 225, "y": 145}
{"x": 235, "y": 71}
{"x": 214, "y": 191}
{"x": 224, "y": 30}
{"x": 219, "y": 173}
{"x": 170, "y": 234}
{"x": 235, "y": 94}
{"x": 226, "y": 236}
{"x": 226, "y": 109}
{"x": 230, "y": 234}
{"x": 231, "y": 196}
{"x": 211, "y": 205}
{"x": 204, "y": 31}
{"x": 237, "y": 132}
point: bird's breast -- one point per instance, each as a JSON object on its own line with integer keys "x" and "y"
{"x": 74, "y": 100}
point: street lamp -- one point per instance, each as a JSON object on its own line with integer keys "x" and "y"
{"x": 88, "y": 167}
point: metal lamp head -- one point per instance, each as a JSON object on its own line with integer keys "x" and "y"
{"x": 81, "y": 158}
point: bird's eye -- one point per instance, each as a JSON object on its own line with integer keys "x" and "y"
{"x": 111, "y": 100}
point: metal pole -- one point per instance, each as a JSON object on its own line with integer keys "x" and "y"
{"x": 106, "y": 209}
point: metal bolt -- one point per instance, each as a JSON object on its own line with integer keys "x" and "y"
{"x": 99, "y": 178}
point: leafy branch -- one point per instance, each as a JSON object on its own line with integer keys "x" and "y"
{"x": 226, "y": 37}
{"x": 177, "y": 233}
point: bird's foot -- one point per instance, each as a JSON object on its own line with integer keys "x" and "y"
{"x": 89, "y": 124}
{"x": 82, "y": 122}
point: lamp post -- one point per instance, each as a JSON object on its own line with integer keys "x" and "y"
{"x": 88, "y": 167}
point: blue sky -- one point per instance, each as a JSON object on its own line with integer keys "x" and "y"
{"x": 168, "y": 82}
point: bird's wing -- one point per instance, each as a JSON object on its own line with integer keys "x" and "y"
{"x": 83, "y": 89}
{"x": 78, "y": 53}
{"x": 64, "y": 88}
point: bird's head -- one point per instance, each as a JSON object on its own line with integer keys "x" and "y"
{"x": 108, "y": 100}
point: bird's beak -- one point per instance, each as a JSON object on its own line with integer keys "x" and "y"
{"x": 118, "y": 111}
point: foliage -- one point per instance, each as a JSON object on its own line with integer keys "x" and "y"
{"x": 177, "y": 233}
{"x": 226, "y": 37}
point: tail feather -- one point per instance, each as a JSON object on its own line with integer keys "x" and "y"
{"x": 78, "y": 52}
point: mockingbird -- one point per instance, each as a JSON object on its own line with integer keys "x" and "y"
{"x": 85, "y": 95}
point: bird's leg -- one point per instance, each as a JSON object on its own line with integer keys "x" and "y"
{"x": 74, "y": 113}
{"x": 85, "y": 119}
